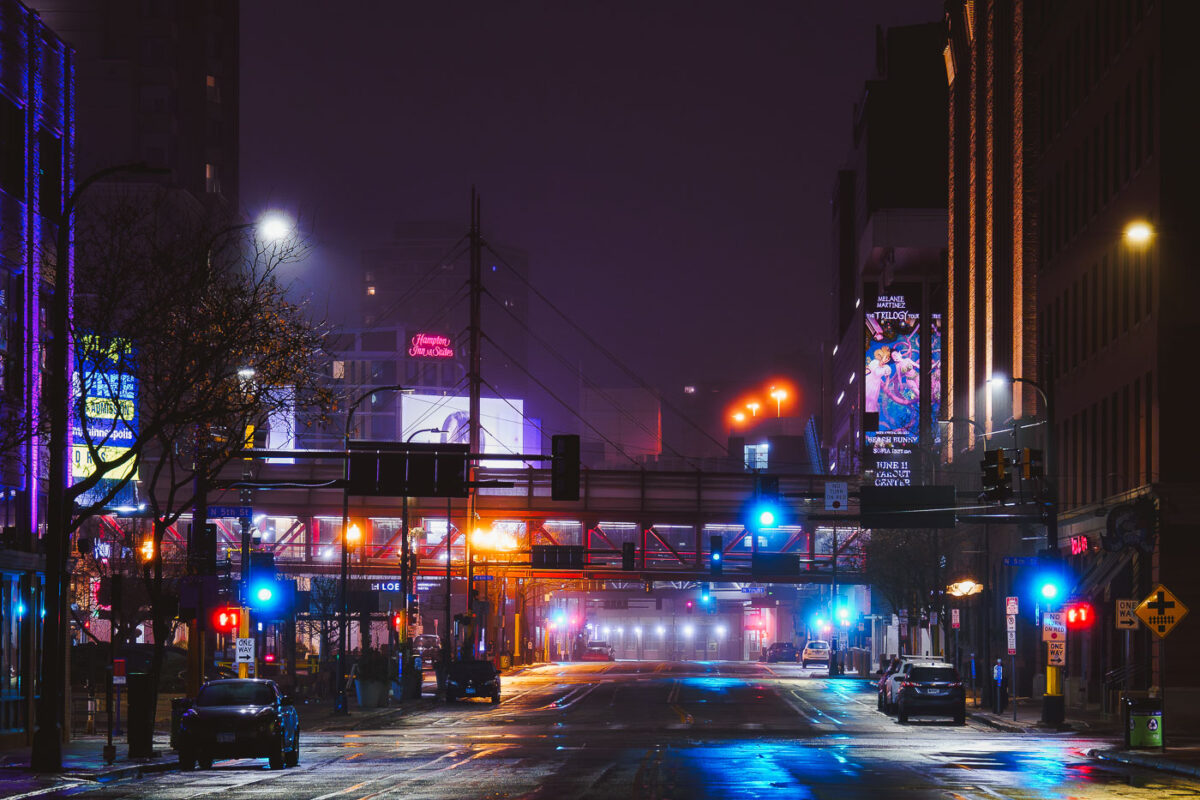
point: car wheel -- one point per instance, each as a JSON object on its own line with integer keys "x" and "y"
{"x": 204, "y": 760}
{"x": 187, "y": 760}
{"x": 275, "y": 760}
{"x": 293, "y": 756}
{"x": 496, "y": 699}
{"x": 450, "y": 696}
{"x": 879, "y": 702}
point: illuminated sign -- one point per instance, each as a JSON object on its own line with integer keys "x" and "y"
{"x": 438, "y": 419}
{"x": 892, "y": 402}
{"x": 105, "y": 420}
{"x": 431, "y": 345}
{"x": 1079, "y": 544}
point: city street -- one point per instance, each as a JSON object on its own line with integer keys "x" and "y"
{"x": 664, "y": 730}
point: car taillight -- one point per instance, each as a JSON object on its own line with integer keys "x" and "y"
{"x": 956, "y": 686}
{"x": 907, "y": 685}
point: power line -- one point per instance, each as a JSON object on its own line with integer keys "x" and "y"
{"x": 605, "y": 351}
{"x": 561, "y": 402}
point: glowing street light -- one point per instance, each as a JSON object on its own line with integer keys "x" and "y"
{"x": 147, "y": 550}
{"x": 964, "y": 588}
{"x": 739, "y": 417}
{"x": 1139, "y": 232}
{"x": 688, "y": 630}
{"x": 274, "y": 227}
{"x": 353, "y": 536}
{"x": 754, "y": 406}
{"x": 780, "y": 395}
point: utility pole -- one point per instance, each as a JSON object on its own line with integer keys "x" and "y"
{"x": 476, "y": 381}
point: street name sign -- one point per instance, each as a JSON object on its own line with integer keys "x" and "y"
{"x": 234, "y": 512}
{"x": 1054, "y": 626}
{"x": 1126, "y": 619}
{"x": 1010, "y": 606}
{"x": 1056, "y": 654}
{"x": 245, "y": 651}
{"x": 1161, "y": 611}
{"x": 1020, "y": 561}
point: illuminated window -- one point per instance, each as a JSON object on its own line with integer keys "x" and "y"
{"x": 689, "y": 390}
{"x": 212, "y": 180}
{"x": 212, "y": 90}
{"x": 371, "y": 290}
{"x": 756, "y": 455}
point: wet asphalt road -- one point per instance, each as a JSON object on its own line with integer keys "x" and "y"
{"x": 667, "y": 730}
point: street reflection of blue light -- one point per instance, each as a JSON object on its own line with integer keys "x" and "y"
{"x": 763, "y": 769}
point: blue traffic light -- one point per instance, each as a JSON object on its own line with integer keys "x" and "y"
{"x": 270, "y": 598}
{"x": 766, "y": 517}
{"x": 716, "y": 556}
{"x": 1050, "y": 586}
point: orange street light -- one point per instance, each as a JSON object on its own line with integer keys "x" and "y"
{"x": 780, "y": 395}
{"x": 1139, "y": 232}
{"x": 739, "y": 417}
{"x": 353, "y": 536}
{"x": 754, "y": 406}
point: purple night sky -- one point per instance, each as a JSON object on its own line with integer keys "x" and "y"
{"x": 666, "y": 165}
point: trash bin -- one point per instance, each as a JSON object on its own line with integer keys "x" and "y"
{"x": 1143, "y": 722}
{"x": 178, "y": 706}
{"x": 141, "y": 714}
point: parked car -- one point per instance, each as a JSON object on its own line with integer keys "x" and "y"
{"x": 598, "y": 654}
{"x": 815, "y": 651}
{"x": 472, "y": 679}
{"x": 892, "y": 684}
{"x": 429, "y": 648}
{"x": 239, "y": 718}
{"x": 931, "y": 690}
{"x": 90, "y": 663}
{"x": 781, "y": 651}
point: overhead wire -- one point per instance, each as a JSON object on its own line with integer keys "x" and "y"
{"x": 604, "y": 350}
{"x": 560, "y": 401}
{"x": 591, "y": 384}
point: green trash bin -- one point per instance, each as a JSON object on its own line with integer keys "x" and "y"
{"x": 1143, "y": 722}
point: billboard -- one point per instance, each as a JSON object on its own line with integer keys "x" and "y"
{"x": 892, "y": 402}
{"x": 433, "y": 419}
{"x": 105, "y": 397}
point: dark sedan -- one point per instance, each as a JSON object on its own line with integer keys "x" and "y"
{"x": 932, "y": 690}
{"x": 240, "y": 718}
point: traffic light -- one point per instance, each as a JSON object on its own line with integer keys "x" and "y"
{"x": 689, "y": 605}
{"x": 1050, "y": 587}
{"x": 1033, "y": 464}
{"x": 564, "y": 467}
{"x": 706, "y": 593}
{"x": 716, "y": 555}
{"x": 1080, "y": 614}
{"x": 226, "y": 620}
{"x": 269, "y": 597}
{"x": 146, "y": 551}
{"x": 997, "y": 478}
{"x": 628, "y": 556}
{"x": 398, "y": 621}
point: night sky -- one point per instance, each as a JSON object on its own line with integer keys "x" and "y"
{"x": 666, "y": 165}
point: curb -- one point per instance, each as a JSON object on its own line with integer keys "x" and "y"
{"x": 1007, "y": 727}
{"x": 1146, "y": 761}
{"x": 136, "y": 770}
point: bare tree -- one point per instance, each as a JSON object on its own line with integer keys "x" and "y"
{"x": 183, "y": 339}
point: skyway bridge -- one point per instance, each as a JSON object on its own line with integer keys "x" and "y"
{"x": 295, "y": 511}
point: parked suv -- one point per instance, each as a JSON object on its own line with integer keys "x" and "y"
{"x": 891, "y": 686}
{"x": 931, "y": 690}
{"x": 815, "y": 651}
{"x": 781, "y": 651}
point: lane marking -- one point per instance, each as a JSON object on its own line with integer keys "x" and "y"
{"x": 62, "y": 787}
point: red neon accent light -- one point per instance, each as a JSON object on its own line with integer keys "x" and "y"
{"x": 1079, "y": 544}
{"x": 269, "y": 658}
{"x": 431, "y": 345}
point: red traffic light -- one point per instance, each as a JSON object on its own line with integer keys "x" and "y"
{"x": 1080, "y": 614}
{"x": 397, "y": 621}
{"x": 226, "y": 620}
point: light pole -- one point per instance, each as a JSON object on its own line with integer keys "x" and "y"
{"x": 406, "y": 581}
{"x": 780, "y": 395}
{"x": 343, "y": 623}
{"x": 1053, "y": 704}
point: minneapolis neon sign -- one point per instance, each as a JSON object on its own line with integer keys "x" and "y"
{"x": 431, "y": 345}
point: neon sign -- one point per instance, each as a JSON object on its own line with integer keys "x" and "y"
{"x": 431, "y": 345}
{"x": 1079, "y": 544}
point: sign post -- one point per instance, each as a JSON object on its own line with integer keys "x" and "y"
{"x": 1161, "y": 611}
{"x": 1011, "y": 629}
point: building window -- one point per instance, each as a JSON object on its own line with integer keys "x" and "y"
{"x": 212, "y": 180}
{"x": 371, "y": 291}
{"x": 756, "y": 455}
{"x": 212, "y": 90}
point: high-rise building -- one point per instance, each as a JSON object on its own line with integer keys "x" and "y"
{"x": 37, "y": 171}
{"x": 157, "y": 83}
{"x": 889, "y": 230}
{"x": 1068, "y": 123}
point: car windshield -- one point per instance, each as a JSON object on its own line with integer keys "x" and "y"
{"x": 781, "y": 646}
{"x": 236, "y": 694}
{"x": 933, "y": 674}
{"x": 818, "y": 645}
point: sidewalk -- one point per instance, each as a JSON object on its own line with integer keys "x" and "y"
{"x": 83, "y": 756}
{"x": 1029, "y": 714}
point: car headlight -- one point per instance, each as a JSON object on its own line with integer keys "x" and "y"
{"x": 451, "y": 682}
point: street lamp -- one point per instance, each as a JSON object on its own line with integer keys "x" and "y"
{"x": 1053, "y": 704}
{"x": 1139, "y": 232}
{"x": 964, "y": 588}
{"x": 343, "y": 623}
{"x": 780, "y": 395}
{"x": 754, "y": 406}
{"x": 739, "y": 417}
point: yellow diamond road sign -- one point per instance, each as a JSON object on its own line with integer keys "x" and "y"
{"x": 1161, "y": 611}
